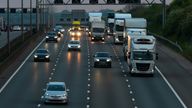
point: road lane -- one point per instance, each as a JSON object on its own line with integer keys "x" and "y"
{"x": 26, "y": 88}
{"x": 72, "y": 68}
{"x": 108, "y": 88}
{"x": 150, "y": 92}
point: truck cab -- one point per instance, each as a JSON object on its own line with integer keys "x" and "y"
{"x": 143, "y": 55}
{"x": 119, "y": 31}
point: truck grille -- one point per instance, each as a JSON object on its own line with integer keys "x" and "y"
{"x": 142, "y": 66}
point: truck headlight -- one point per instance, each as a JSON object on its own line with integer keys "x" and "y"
{"x": 35, "y": 56}
{"x": 47, "y": 56}
{"x": 47, "y": 36}
{"x": 79, "y": 46}
{"x": 55, "y": 36}
{"x": 103, "y": 38}
{"x": 92, "y": 38}
{"x": 69, "y": 46}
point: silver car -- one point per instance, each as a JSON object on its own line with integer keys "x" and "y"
{"x": 74, "y": 44}
{"x": 56, "y": 92}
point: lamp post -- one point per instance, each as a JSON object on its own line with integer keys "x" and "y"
{"x": 22, "y": 20}
{"x": 8, "y": 29}
{"x": 31, "y": 17}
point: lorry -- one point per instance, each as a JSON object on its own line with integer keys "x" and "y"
{"x": 93, "y": 17}
{"x": 143, "y": 55}
{"x": 119, "y": 27}
{"x": 134, "y": 27}
{"x": 97, "y": 30}
{"x": 110, "y": 23}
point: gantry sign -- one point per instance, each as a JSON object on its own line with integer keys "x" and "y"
{"x": 100, "y": 2}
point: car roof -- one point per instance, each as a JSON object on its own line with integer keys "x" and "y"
{"x": 102, "y": 52}
{"x": 56, "y": 83}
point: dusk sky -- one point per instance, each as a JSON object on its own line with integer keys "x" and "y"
{"x": 17, "y": 4}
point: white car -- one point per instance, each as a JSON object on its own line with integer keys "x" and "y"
{"x": 74, "y": 44}
{"x": 56, "y": 92}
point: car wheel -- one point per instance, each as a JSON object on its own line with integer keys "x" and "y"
{"x": 95, "y": 65}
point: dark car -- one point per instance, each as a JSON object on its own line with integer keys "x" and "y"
{"x": 51, "y": 36}
{"x": 59, "y": 30}
{"x": 102, "y": 59}
{"x": 42, "y": 55}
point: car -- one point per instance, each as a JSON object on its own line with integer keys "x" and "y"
{"x": 51, "y": 36}
{"x": 74, "y": 44}
{"x": 102, "y": 59}
{"x": 56, "y": 92}
{"x": 74, "y": 32}
{"x": 42, "y": 55}
{"x": 59, "y": 30}
{"x": 16, "y": 28}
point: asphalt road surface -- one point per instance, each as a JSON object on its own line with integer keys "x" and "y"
{"x": 97, "y": 87}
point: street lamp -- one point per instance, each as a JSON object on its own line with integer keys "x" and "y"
{"x": 8, "y": 28}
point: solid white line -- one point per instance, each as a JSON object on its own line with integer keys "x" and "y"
{"x": 180, "y": 100}
{"x": 2, "y": 88}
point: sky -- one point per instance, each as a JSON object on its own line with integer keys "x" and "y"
{"x": 17, "y": 4}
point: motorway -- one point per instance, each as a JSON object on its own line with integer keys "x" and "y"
{"x": 97, "y": 87}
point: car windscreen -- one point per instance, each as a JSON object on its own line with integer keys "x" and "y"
{"x": 102, "y": 55}
{"x": 51, "y": 34}
{"x": 74, "y": 42}
{"x": 56, "y": 88}
{"x": 42, "y": 51}
{"x": 98, "y": 30}
{"x": 142, "y": 55}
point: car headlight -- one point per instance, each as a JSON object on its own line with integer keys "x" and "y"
{"x": 102, "y": 38}
{"x": 78, "y": 46}
{"x": 35, "y": 56}
{"x": 69, "y": 46}
{"x": 47, "y": 56}
{"x": 55, "y": 37}
{"x": 116, "y": 39}
{"x": 73, "y": 33}
{"x": 78, "y": 34}
{"x": 92, "y": 38}
{"x": 108, "y": 60}
{"x": 97, "y": 60}
{"x": 47, "y": 36}
{"x": 86, "y": 29}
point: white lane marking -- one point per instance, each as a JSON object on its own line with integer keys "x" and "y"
{"x": 88, "y": 106}
{"x": 135, "y": 107}
{"x": 88, "y": 91}
{"x": 170, "y": 86}
{"x": 125, "y": 75}
{"x": 88, "y": 98}
{"x": 88, "y": 85}
{"x": 129, "y": 86}
{"x": 53, "y": 69}
{"x": 133, "y": 99}
{"x": 131, "y": 92}
{"x": 7, "y": 82}
{"x": 123, "y": 71}
{"x": 89, "y": 69}
{"x": 39, "y": 105}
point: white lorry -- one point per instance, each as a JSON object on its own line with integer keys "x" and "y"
{"x": 134, "y": 27}
{"x": 119, "y": 27}
{"x": 94, "y": 17}
{"x": 98, "y": 30}
{"x": 143, "y": 55}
